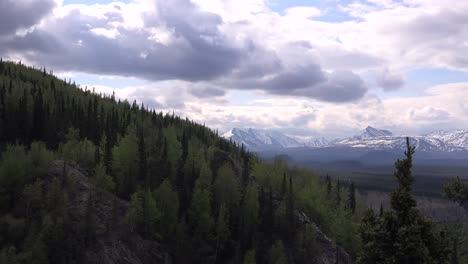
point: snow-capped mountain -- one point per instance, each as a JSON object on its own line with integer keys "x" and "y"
{"x": 379, "y": 139}
{"x": 312, "y": 142}
{"x": 370, "y": 138}
{"x": 368, "y": 133}
{"x": 457, "y": 138}
{"x": 261, "y": 139}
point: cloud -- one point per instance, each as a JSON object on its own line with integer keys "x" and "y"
{"x": 428, "y": 114}
{"x": 91, "y": 44}
{"x": 181, "y": 41}
{"x": 301, "y": 12}
{"x": 442, "y": 106}
{"x": 339, "y": 87}
{"x": 389, "y": 81}
{"x": 206, "y": 47}
{"x": 15, "y": 15}
{"x": 207, "y": 92}
{"x": 310, "y": 81}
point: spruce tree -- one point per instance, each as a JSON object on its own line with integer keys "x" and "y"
{"x": 142, "y": 163}
{"x": 352, "y": 198}
{"x": 329, "y": 185}
{"x": 337, "y": 194}
{"x": 402, "y": 235}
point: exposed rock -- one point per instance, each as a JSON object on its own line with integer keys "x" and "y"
{"x": 113, "y": 245}
{"x": 329, "y": 252}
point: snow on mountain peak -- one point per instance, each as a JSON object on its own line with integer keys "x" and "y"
{"x": 370, "y": 137}
{"x": 260, "y": 139}
{"x": 457, "y": 138}
{"x": 374, "y": 132}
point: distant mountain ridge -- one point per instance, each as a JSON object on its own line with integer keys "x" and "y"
{"x": 261, "y": 139}
{"x": 370, "y": 138}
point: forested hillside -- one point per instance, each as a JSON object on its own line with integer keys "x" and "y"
{"x": 86, "y": 178}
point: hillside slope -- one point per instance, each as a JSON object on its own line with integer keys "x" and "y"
{"x": 85, "y": 178}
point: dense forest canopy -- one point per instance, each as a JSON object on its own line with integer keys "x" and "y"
{"x": 170, "y": 180}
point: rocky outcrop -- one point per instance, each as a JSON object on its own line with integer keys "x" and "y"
{"x": 114, "y": 244}
{"x": 328, "y": 251}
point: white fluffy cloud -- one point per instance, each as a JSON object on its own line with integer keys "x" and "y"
{"x": 300, "y": 73}
{"x": 440, "y": 106}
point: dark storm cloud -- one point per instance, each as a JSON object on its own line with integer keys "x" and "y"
{"x": 339, "y": 87}
{"x": 311, "y": 81}
{"x": 299, "y": 78}
{"x": 198, "y": 52}
{"x": 207, "y": 92}
{"x": 19, "y": 14}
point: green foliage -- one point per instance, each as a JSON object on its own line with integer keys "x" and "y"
{"x": 143, "y": 214}
{"x": 13, "y": 174}
{"x": 402, "y": 235}
{"x": 80, "y": 151}
{"x": 205, "y": 198}
{"x": 124, "y": 164}
{"x": 39, "y": 155}
{"x": 167, "y": 203}
{"x": 223, "y": 234}
{"x": 278, "y": 253}
{"x": 174, "y": 150}
{"x": 102, "y": 180}
{"x": 226, "y": 187}
{"x": 33, "y": 198}
{"x": 250, "y": 207}
{"x": 352, "y": 198}
{"x": 270, "y": 175}
{"x": 456, "y": 190}
{"x": 250, "y": 214}
{"x": 8, "y": 255}
{"x": 249, "y": 257}
{"x": 200, "y": 211}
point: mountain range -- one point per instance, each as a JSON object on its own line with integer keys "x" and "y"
{"x": 370, "y": 138}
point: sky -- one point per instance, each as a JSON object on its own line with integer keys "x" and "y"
{"x": 306, "y": 68}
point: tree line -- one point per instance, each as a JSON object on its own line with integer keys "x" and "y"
{"x": 208, "y": 200}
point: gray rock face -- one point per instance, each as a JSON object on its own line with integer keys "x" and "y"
{"x": 329, "y": 252}
{"x": 113, "y": 245}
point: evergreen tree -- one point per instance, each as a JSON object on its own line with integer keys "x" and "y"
{"x": 167, "y": 203}
{"x": 402, "y": 235}
{"x": 142, "y": 163}
{"x": 226, "y": 187}
{"x": 249, "y": 257}
{"x": 38, "y": 116}
{"x": 278, "y": 253}
{"x": 352, "y": 198}
{"x": 337, "y": 194}
{"x": 329, "y": 185}
{"x": 456, "y": 191}
{"x": 284, "y": 187}
{"x": 290, "y": 211}
{"x": 124, "y": 164}
{"x": 250, "y": 214}
{"x": 200, "y": 211}
{"x": 223, "y": 234}
{"x": 102, "y": 180}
